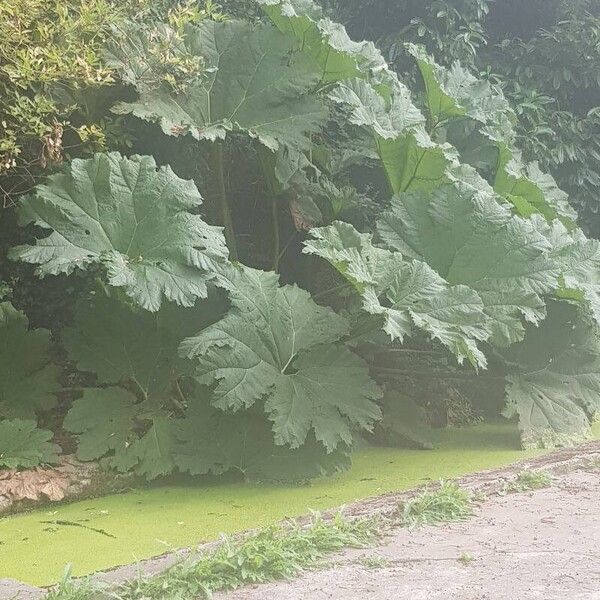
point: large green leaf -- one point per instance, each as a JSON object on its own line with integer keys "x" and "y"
{"x": 454, "y": 96}
{"x": 470, "y": 239}
{"x": 136, "y": 349}
{"x": 554, "y": 381}
{"x": 410, "y": 158}
{"x": 579, "y": 261}
{"x": 276, "y": 343}
{"x": 22, "y": 444}
{"x": 132, "y": 219}
{"x": 338, "y": 56}
{"x": 353, "y": 255}
{"x": 129, "y": 435}
{"x": 104, "y": 422}
{"x": 27, "y": 379}
{"x": 455, "y": 93}
{"x": 419, "y": 298}
{"x": 529, "y": 189}
{"x": 408, "y": 294}
{"x": 125, "y": 345}
{"x": 153, "y": 454}
{"x": 254, "y": 81}
{"x": 213, "y": 441}
{"x": 414, "y": 162}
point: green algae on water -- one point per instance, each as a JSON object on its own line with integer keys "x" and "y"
{"x": 35, "y": 547}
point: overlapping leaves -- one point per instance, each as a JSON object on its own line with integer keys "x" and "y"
{"x": 213, "y": 441}
{"x": 254, "y": 81}
{"x": 27, "y": 379}
{"x": 23, "y": 445}
{"x": 579, "y": 260}
{"x": 408, "y": 294}
{"x": 109, "y": 423}
{"x": 554, "y": 381}
{"x": 285, "y": 393}
{"x": 455, "y": 93}
{"x": 136, "y": 350}
{"x": 470, "y": 239}
{"x": 476, "y": 117}
{"x": 338, "y": 56}
{"x": 410, "y": 158}
{"x": 277, "y": 344}
{"x": 130, "y": 218}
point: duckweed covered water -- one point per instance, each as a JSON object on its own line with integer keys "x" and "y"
{"x": 115, "y": 530}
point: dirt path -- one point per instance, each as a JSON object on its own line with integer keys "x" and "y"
{"x": 537, "y": 545}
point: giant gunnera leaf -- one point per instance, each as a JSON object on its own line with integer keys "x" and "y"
{"x": 476, "y": 117}
{"x": 554, "y": 378}
{"x": 127, "y": 346}
{"x": 103, "y": 420}
{"x": 133, "y": 219}
{"x": 277, "y": 344}
{"x": 22, "y": 444}
{"x": 254, "y": 81}
{"x": 27, "y": 379}
{"x": 129, "y": 435}
{"x": 327, "y": 42}
{"x": 409, "y": 157}
{"x": 455, "y": 93}
{"x": 409, "y": 295}
{"x": 470, "y": 239}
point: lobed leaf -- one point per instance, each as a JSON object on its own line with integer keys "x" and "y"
{"x": 123, "y": 345}
{"x": 254, "y": 81}
{"x": 276, "y": 343}
{"x": 103, "y": 420}
{"x": 111, "y": 423}
{"x": 134, "y": 220}
{"x": 554, "y": 382}
{"x": 407, "y": 294}
{"x": 454, "y": 93}
{"x": 23, "y": 445}
{"x": 328, "y": 43}
{"x": 470, "y": 239}
{"x": 454, "y": 98}
{"x": 27, "y": 379}
{"x": 213, "y": 441}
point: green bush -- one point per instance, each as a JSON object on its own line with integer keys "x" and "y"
{"x": 277, "y": 153}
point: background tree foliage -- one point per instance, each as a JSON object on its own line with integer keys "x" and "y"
{"x": 544, "y": 53}
{"x": 50, "y": 54}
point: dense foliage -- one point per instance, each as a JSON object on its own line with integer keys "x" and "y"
{"x": 543, "y": 53}
{"x": 273, "y": 156}
{"x": 49, "y": 53}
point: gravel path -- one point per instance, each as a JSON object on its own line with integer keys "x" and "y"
{"x": 539, "y": 545}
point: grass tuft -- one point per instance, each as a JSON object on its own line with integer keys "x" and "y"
{"x": 529, "y": 480}
{"x": 374, "y": 562}
{"x": 277, "y": 552}
{"x": 465, "y": 558}
{"x": 594, "y": 463}
{"x": 70, "y": 588}
{"x": 447, "y": 503}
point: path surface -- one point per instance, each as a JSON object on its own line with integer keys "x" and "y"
{"x": 538, "y": 545}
